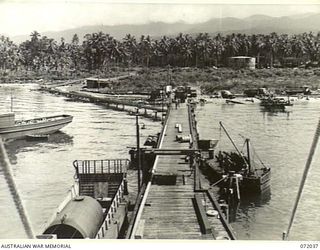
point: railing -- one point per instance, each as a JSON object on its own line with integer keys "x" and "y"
{"x": 161, "y": 136}
{"x": 194, "y": 137}
{"x": 101, "y": 166}
{"x": 111, "y": 212}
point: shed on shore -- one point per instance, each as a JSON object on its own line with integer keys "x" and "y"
{"x": 242, "y": 62}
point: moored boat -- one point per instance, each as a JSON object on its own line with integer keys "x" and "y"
{"x": 275, "y": 103}
{"x": 14, "y": 129}
{"x": 97, "y": 204}
{"x": 239, "y": 173}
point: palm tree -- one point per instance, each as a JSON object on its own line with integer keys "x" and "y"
{"x": 145, "y": 48}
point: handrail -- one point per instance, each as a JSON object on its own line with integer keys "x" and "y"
{"x": 193, "y": 130}
{"x": 101, "y": 166}
{"x": 112, "y": 210}
{"x": 164, "y": 127}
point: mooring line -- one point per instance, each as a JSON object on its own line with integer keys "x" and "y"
{"x": 6, "y": 167}
{"x": 304, "y": 177}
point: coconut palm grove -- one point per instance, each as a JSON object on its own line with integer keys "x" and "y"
{"x": 100, "y": 53}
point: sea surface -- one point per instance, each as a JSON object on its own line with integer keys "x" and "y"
{"x": 44, "y": 173}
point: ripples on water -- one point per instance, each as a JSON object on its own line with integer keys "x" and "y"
{"x": 44, "y": 172}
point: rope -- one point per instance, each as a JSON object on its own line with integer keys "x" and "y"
{"x": 255, "y": 154}
{"x": 6, "y": 167}
{"x": 217, "y": 182}
{"x": 304, "y": 177}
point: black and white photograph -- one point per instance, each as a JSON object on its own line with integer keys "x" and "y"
{"x": 159, "y": 120}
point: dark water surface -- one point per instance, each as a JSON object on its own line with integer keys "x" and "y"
{"x": 44, "y": 171}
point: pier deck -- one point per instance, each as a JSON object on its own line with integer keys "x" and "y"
{"x": 169, "y": 208}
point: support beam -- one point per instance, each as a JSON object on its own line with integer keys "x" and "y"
{"x": 171, "y": 151}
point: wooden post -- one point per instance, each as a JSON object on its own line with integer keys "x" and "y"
{"x": 138, "y": 150}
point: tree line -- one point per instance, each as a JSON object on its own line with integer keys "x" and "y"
{"x": 101, "y": 51}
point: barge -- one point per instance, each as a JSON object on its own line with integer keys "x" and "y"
{"x": 237, "y": 171}
{"x": 96, "y": 206}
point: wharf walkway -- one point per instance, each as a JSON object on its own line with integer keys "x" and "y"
{"x": 173, "y": 205}
{"x": 112, "y": 102}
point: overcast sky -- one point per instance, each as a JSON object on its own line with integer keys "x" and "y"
{"x": 23, "y": 16}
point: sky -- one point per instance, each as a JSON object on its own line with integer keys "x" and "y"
{"x": 18, "y": 17}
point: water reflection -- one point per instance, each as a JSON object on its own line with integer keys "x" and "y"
{"x": 275, "y": 112}
{"x": 14, "y": 147}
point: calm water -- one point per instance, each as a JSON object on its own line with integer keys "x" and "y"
{"x": 282, "y": 141}
{"x": 44, "y": 172}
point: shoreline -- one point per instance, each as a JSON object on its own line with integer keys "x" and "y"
{"x": 209, "y": 80}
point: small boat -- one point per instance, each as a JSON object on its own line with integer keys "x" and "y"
{"x": 97, "y": 204}
{"x": 14, "y": 129}
{"x": 275, "y": 103}
{"x": 202, "y": 101}
{"x": 226, "y": 94}
{"x": 296, "y": 91}
{"x": 233, "y": 102}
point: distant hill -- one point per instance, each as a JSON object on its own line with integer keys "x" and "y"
{"x": 251, "y": 25}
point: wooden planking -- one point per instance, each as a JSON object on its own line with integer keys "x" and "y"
{"x": 169, "y": 212}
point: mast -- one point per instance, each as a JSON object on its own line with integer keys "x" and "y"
{"x": 248, "y": 154}
{"x": 244, "y": 160}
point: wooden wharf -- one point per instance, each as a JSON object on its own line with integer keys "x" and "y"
{"x": 111, "y": 102}
{"x": 173, "y": 205}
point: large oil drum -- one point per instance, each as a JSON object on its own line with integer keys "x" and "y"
{"x": 80, "y": 218}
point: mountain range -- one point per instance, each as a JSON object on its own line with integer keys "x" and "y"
{"x": 256, "y": 24}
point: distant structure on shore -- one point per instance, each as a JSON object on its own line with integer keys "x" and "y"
{"x": 97, "y": 82}
{"x": 242, "y": 62}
